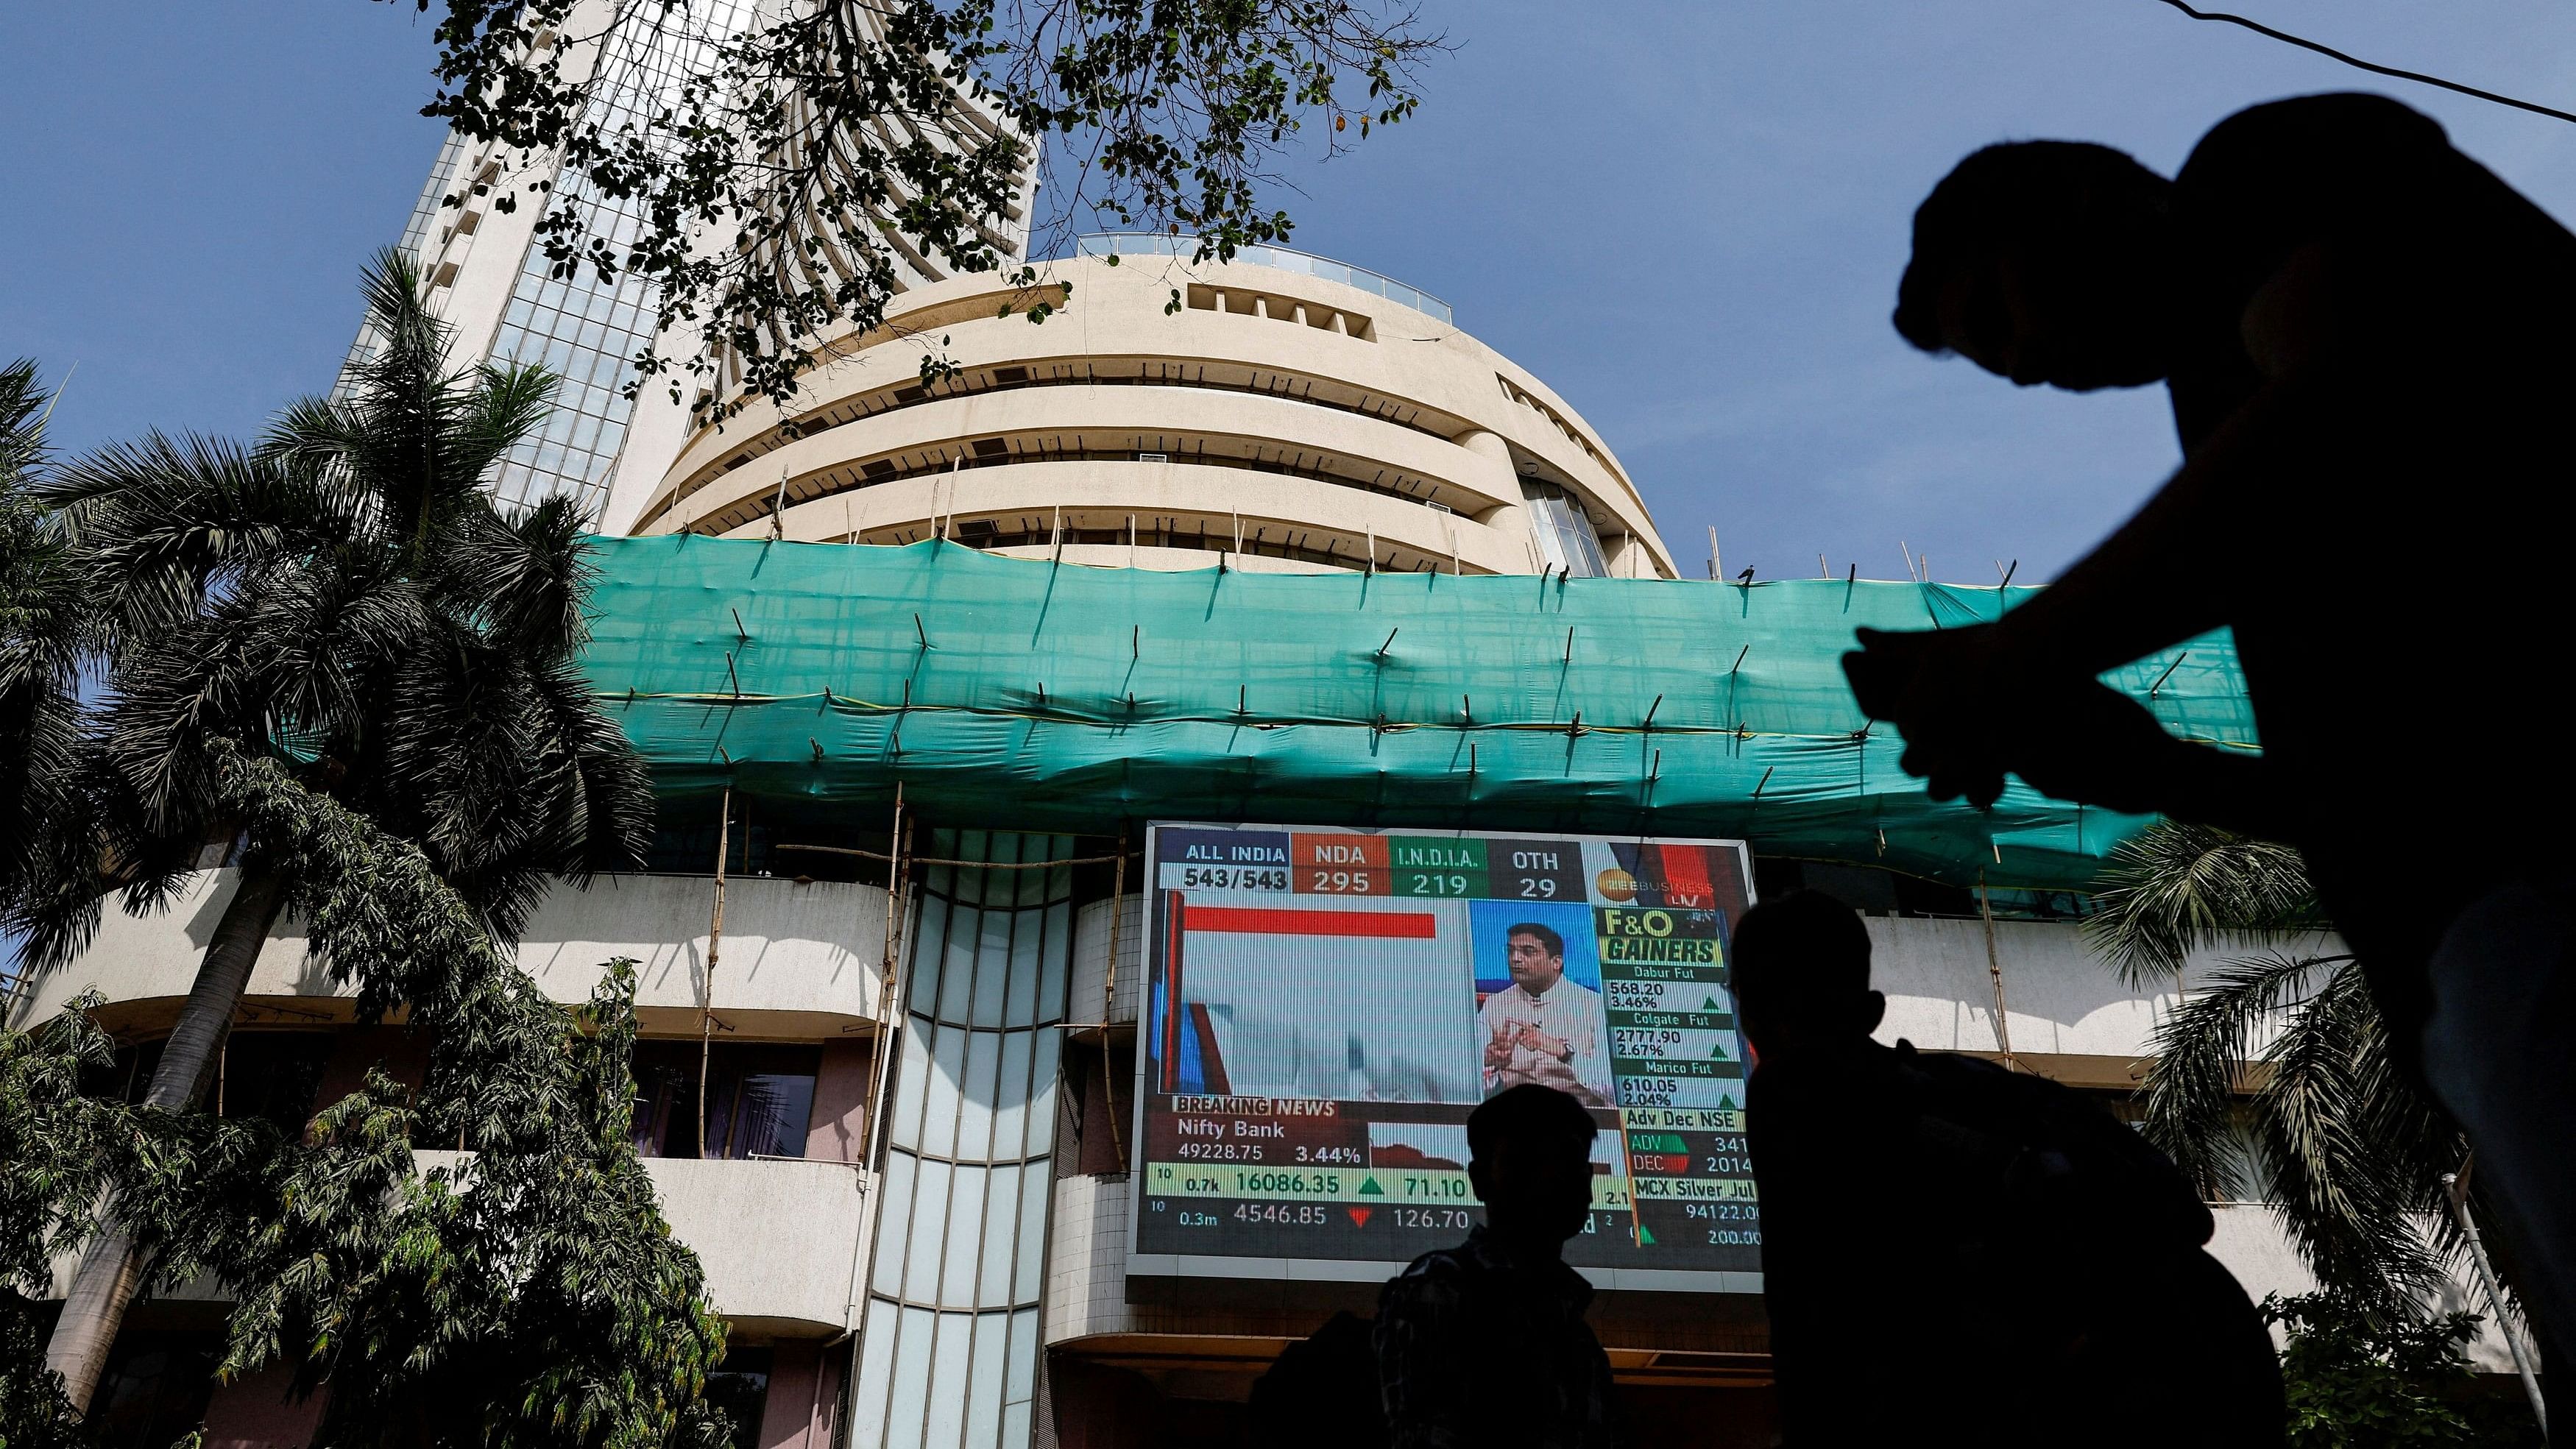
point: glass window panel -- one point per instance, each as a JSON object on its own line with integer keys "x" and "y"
{"x": 1011, "y": 1097}
{"x": 1042, "y": 1085}
{"x": 894, "y": 1217}
{"x": 908, "y": 1394}
{"x": 1058, "y": 957}
{"x": 1001, "y": 1213}
{"x": 950, "y": 1364}
{"x": 957, "y": 966}
{"x": 1020, "y": 997}
{"x": 975, "y": 1095}
{"x": 984, "y": 1393}
{"x": 939, "y": 1107}
{"x": 876, "y": 1372}
{"x": 993, "y": 966}
{"x": 760, "y": 1103}
{"x": 921, "y": 1257}
{"x": 1029, "y": 1275}
{"x": 1033, "y": 883}
{"x": 1022, "y": 1383}
{"x": 930, "y": 932}
{"x": 1015, "y": 1425}
{"x": 965, "y": 1223}
{"x": 911, "y": 1079}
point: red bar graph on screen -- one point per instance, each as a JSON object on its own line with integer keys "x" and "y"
{"x": 1271, "y": 921}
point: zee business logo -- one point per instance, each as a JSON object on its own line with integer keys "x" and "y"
{"x": 1616, "y": 884}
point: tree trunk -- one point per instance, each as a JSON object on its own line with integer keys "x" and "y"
{"x": 111, "y": 1267}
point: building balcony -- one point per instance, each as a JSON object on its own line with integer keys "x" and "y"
{"x": 799, "y": 961}
{"x": 779, "y": 1239}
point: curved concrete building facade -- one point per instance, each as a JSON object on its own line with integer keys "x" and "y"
{"x": 1291, "y": 412}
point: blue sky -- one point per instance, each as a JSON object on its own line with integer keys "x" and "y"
{"x": 1688, "y": 218}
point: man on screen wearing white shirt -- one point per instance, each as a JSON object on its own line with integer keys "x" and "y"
{"x": 1543, "y": 1028}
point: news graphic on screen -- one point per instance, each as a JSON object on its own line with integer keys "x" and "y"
{"x": 1325, "y": 1007}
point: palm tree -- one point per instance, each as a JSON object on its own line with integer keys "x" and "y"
{"x": 2350, "y": 1149}
{"x": 46, "y": 630}
{"x": 345, "y": 597}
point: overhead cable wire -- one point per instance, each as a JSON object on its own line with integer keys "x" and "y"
{"x": 2373, "y": 67}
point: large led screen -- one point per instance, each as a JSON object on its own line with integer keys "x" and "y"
{"x": 1325, "y": 1007}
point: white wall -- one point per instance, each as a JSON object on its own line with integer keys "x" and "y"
{"x": 796, "y": 960}
{"x": 2058, "y": 996}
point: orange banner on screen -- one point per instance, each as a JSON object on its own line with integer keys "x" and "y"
{"x": 1263, "y": 921}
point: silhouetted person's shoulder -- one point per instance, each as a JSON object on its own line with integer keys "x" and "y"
{"x": 2425, "y": 232}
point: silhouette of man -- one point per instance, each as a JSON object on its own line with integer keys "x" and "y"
{"x": 1484, "y": 1344}
{"x": 2366, "y": 338}
{"x": 1942, "y": 1237}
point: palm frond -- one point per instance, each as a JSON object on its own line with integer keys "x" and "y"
{"x": 2346, "y": 1198}
{"x": 2204, "y": 1053}
{"x": 507, "y": 405}
{"x": 2179, "y": 885}
{"x": 524, "y": 575}
{"x": 165, "y": 524}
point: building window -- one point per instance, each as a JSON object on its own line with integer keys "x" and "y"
{"x": 271, "y": 1075}
{"x": 741, "y": 1388}
{"x": 759, "y": 1101}
{"x": 1565, "y": 534}
{"x": 154, "y": 1390}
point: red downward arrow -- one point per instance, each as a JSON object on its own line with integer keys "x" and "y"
{"x": 1360, "y": 1216}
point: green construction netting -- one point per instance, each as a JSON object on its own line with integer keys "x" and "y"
{"x": 1015, "y": 693}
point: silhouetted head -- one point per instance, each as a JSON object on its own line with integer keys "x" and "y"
{"x": 1801, "y": 974}
{"x": 1536, "y": 955}
{"x": 2044, "y": 261}
{"x": 1531, "y": 1150}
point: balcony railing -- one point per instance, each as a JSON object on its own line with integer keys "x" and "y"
{"x": 1149, "y": 244}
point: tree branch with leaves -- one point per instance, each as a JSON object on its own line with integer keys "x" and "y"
{"x": 776, "y": 181}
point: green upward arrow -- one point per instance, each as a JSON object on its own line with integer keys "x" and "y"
{"x": 1718, "y": 1051}
{"x": 1726, "y": 1102}
{"x": 1371, "y": 1189}
{"x": 1709, "y": 1003}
